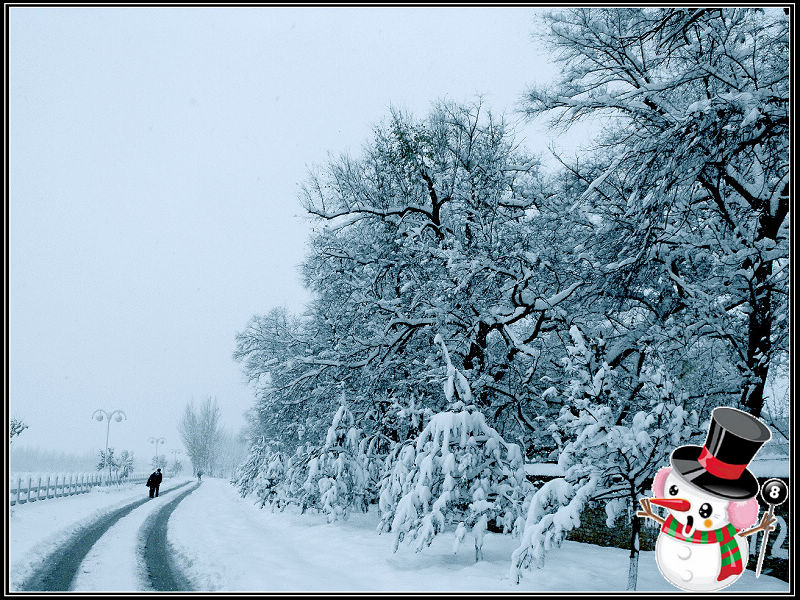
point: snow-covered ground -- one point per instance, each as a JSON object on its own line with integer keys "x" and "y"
{"x": 224, "y": 543}
{"x": 227, "y": 544}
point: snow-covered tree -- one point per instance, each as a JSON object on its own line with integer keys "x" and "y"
{"x": 262, "y": 474}
{"x": 428, "y": 231}
{"x": 125, "y": 464}
{"x": 248, "y": 471}
{"x": 612, "y": 440}
{"x": 107, "y": 460}
{"x": 118, "y": 466}
{"x": 270, "y": 481}
{"x": 689, "y": 185}
{"x": 159, "y": 461}
{"x": 15, "y": 427}
{"x": 459, "y": 471}
{"x": 667, "y": 243}
{"x": 292, "y": 489}
{"x": 176, "y": 467}
{"x": 337, "y": 477}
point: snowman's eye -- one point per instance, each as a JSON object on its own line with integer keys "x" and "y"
{"x": 705, "y": 510}
{"x": 673, "y": 490}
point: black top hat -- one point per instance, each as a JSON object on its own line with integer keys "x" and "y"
{"x": 720, "y": 466}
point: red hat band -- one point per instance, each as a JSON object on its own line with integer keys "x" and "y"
{"x": 719, "y": 468}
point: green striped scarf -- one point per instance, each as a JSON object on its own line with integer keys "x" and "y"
{"x": 724, "y": 536}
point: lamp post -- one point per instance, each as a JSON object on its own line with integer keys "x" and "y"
{"x": 101, "y": 414}
{"x": 157, "y": 441}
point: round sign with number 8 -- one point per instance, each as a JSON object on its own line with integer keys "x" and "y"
{"x": 774, "y": 492}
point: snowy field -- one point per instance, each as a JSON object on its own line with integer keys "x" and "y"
{"x": 224, "y": 543}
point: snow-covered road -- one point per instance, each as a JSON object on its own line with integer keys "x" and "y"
{"x": 119, "y": 561}
{"x": 221, "y": 542}
{"x": 106, "y": 550}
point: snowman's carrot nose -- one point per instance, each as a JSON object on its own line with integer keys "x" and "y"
{"x": 678, "y": 504}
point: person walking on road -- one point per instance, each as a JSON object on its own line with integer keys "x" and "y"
{"x": 153, "y": 482}
{"x": 199, "y": 475}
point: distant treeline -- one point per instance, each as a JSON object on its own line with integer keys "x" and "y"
{"x": 37, "y": 459}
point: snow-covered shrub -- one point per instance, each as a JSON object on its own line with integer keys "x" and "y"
{"x": 612, "y": 441}
{"x": 337, "y": 478}
{"x": 262, "y": 474}
{"x": 270, "y": 480}
{"x": 396, "y": 483}
{"x": 244, "y": 478}
{"x": 126, "y": 463}
{"x": 554, "y": 509}
{"x": 390, "y": 423}
{"x": 119, "y": 467}
{"x": 291, "y": 490}
{"x": 459, "y": 472}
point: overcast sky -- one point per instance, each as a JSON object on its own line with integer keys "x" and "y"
{"x": 155, "y": 160}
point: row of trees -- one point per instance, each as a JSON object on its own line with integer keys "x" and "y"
{"x": 592, "y": 316}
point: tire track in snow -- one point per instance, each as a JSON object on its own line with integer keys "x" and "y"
{"x": 59, "y": 568}
{"x": 161, "y": 570}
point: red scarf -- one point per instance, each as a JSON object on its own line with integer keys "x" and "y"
{"x": 724, "y": 536}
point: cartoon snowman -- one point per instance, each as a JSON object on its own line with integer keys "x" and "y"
{"x": 710, "y": 496}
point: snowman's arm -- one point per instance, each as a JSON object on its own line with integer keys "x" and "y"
{"x": 647, "y": 512}
{"x": 767, "y": 521}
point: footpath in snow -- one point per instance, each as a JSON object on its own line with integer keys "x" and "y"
{"x": 224, "y": 543}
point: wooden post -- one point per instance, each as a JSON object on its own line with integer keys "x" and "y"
{"x": 30, "y": 485}
{"x": 19, "y": 488}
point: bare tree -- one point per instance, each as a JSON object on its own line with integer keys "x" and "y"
{"x": 200, "y": 432}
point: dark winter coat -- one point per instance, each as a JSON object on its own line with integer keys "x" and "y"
{"x": 154, "y": 480}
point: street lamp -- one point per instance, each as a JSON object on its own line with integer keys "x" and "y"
{"x": 117, "y": 415}
{"x": 157, "y": 441}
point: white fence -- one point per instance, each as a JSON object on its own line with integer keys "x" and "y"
{"x": 43, "y": 487}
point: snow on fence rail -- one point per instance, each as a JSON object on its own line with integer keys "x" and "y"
{"x": 43, "y": 487}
